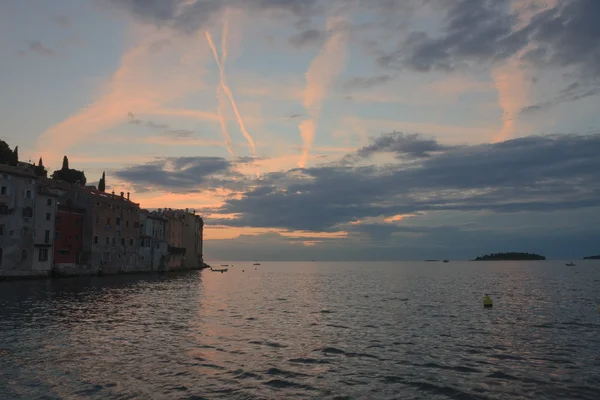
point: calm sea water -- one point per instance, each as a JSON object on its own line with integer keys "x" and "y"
{"x": 308, "y": 330}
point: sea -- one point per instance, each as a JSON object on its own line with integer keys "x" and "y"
{"x": 314, "y": 330}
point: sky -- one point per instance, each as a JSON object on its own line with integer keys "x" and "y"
{"x": 323, "y": 129}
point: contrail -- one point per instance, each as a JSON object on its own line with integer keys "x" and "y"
{"x": 229, "y": 94}
{"x": 319, "y": 77}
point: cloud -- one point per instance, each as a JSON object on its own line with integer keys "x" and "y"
{"x": 533, "y": 174}
{"x": 189, "y": 16}
{"x": 40, "y": 49}
{"x": 365, "y": 83}
{"x": 403, "y": 145}
{"x": 166, "y": 129}
{"x": 177, "y": 174}
{"x": 475, "y": 31}
{"x": 575, "y": 91}
{"x": 308, "y": 37}
{"x": 225, "y": 89}
{"x": 320, "y": 76}
{"x": 145, "y": 82}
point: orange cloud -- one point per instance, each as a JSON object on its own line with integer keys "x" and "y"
{"x": 227, "y": 90}
{"x": 320, "y": 76}
{"x": 146, "y": 80}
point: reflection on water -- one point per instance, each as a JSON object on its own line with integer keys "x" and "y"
{"x": 313, "y": 330}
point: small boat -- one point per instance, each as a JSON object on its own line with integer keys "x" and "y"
{"x": 446, "y": 261}
{"x": 256, "y": 264}
{"x": 224, "y": 265}
{"x": 221, "y": 270}
{"x": 571, "y": 264}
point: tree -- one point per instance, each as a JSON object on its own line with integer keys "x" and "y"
{"x": 8, "y": 156}
{"x": 102, "y": 183}
{"x": 40, "y": 170}
{"x": 69, "y": 175}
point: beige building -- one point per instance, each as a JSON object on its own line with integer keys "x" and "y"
{"x": 27, "y": 212}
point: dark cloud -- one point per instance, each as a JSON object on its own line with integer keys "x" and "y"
{"x": 403, "y": 145}
{"x": 308, "y": 37}
{"x": 186, "y": 16}
{"x": 575, "y": 91}
{"x": 365, "y": 83}
{"x": 166, "y": 129}
{"x": 178, "y": 174}
{"x": 531, "y": 174}
{"x": 474, "y": 31}
{"x": 39, "y": 48}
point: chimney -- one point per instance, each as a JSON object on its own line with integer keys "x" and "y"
{"x": 122, "y": 195}
{"x": 127, "y": 195}
{"x": 113, "y": 192}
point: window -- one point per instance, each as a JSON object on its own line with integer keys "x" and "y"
{"x": 131, "y": 242}
{"x": 4, "y": 190}
{"x": 4, "y": 209}
{"x": 108, "y": 221}
{"x": 119, "y": 256}
{"x": 4, "y": 176}
{"x": 58, "y": 220}
{"x": 95, "y": 239}
{"x": 113, "y": 241}
{"x": 1, "y": 255}
{"x": 43, "y": 255}
{"x": 11, "y": 233}
{"x": 28, "y": 212}
{"x": 49, "y": 202}
{"x": 48, "y": 216}
{"x": 1, "y": 230}
{"x": 156, "y": 246}
{"x": 97, "y": 219}
{"x": 56, "y": 235}
{"x": 136, "y": 225}
{"x": 78, "y": 258}
{"x": 107, "y": 240}
{"x": 97, "y": 204}
{"x": 123, "y": 242}
{"x": 31, "y": 181}
{"x": 77, "y": 237}
{"x": 64, "y": 252}
{"x": 47, "y": 236}
{"x": 25, "y": 232}
{"x": 126, "y": 224}
{"x": 24, "y": 255}
{"x": 28, "y": 194}
{"x": 118, "y": 222}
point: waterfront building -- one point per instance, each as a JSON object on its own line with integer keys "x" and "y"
{"x": 68, "y": 242}
{"x": 153, "y": 250}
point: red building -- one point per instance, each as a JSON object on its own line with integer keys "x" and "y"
{"x": 68, "y": 242}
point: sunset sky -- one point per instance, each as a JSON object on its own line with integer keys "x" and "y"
{"x": 323, "y": 129}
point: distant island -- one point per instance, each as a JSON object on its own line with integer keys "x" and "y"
{"x": 592, "y": 258}
{"x": 512, "y": 256}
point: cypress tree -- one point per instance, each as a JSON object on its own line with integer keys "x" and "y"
{"x": 65, "y": 165}
{"x": 102, "y": 183}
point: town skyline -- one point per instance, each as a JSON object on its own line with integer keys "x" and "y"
{"x": 329, "y": 130}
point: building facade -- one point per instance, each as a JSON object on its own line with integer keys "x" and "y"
{"x": 68, "y": 243}
{"x": 44, "y": 232}
{"x": 193, "y": 227}
{"x": 17, "y": 204}
{"x": 153, "y": 249}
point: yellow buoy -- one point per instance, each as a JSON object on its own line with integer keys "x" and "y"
{"x": 487, "y": 301}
